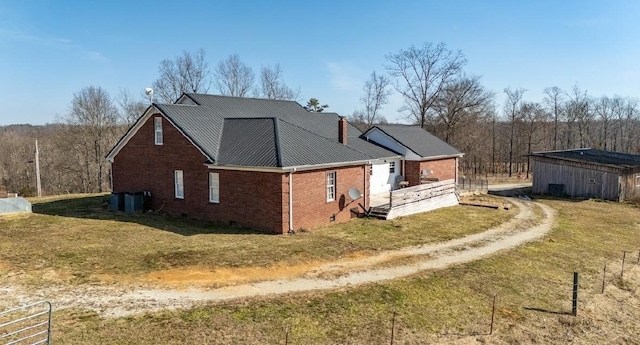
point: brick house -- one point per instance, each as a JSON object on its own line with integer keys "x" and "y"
{"x": 267, "y": 164}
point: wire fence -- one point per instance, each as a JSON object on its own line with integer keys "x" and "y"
{"x": 472, "y": 184}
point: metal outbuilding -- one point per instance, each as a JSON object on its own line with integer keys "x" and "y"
{"x": 586, "y": 173}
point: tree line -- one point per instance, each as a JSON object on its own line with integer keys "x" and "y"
{"x": 439, "y": 95}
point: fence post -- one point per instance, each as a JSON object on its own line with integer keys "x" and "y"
{"x": 624, "y": 254}
{"x": 493, "y": 311}
{"x": 604, "y": 273}
{"x": 393, "y": 325}
{"x": 574, "y": 305}
{"x": 286, "y": 335}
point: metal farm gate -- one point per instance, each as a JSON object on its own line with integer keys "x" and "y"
{"x": 26, "y": 325}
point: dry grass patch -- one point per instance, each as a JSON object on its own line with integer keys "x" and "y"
{"x": 75, "y": 240}
{"x": 533, "y": 285}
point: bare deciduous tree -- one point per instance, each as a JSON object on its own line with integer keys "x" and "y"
{"x": 91, "y": 128}
{"x": 130, "y": 107}
{"x": 421, "y": 74}
{"x": 375, "y": 94}
{"x": 604, "y": 108}
{"x": 272, "y": 85}
{"x": 554, "y": 98}
{"x": 512, "y": 111}
{"x": 533, "y": 118}
{"x": 579, "y": 110}
{"x": 188, "y": 72}
{"x": 461, "y": 98}
{"x": 233, "y": 77}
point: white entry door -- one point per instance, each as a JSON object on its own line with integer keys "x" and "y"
{"x": 383, "y": 176}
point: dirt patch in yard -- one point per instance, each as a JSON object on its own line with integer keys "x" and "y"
{"x": 185, "y": 277}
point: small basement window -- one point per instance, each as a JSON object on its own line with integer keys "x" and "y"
{"x": 214, "y": 188}
{"x": 157, "y": 125}
{"x": 178, "y": 184}
{"x": 392, "y": 168}
{"x": 331, "y": 186}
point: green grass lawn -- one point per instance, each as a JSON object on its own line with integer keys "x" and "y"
{"x": 446, "y": 306}
{"x": 79, "y": 239}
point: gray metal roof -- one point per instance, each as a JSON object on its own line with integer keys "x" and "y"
{"x": 268, "y": 133}
{"x": 324, "y": 124}
{"x": 618, "y": 159}
{"x": 419, "y": 141}
{"x": 248, "y": 142}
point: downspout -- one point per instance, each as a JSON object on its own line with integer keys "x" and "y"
{"x": 291, "y": 200}
{"x": 364, "y": 177}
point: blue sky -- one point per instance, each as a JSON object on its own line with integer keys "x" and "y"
{"x": 51, "y": 49}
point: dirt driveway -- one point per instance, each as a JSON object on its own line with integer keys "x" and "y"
{"x": 115, "y": 300}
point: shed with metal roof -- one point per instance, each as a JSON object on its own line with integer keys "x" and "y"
{"x": 586, "y": 173}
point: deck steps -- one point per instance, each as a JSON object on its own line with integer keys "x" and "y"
{"x": 379, "y": 211}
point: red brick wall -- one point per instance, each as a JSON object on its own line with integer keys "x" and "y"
{"x": 250, "y": 199}
{"x": 443, "y": 169}
{"x": 310, "y": 206}
{"x": 258, "y": 200}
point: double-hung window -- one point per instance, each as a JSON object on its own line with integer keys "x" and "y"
{"x": 179, "y": 184}
{"x": 331, "y": 186}
{"x": 392, "y": 167}
{"x": 157, "y": 126}
{"x": 214, "y": 187}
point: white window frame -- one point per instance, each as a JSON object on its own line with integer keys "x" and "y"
{"x": 392, "y": 167}
{"x": 331, "y": 185}
{"x": 214, "y": 188}
{"x": 178, "y": 185}
{"x": 637, "y": 180}
{"x": 157, "y": 130}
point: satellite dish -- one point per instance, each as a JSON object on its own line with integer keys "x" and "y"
{"x": 149, "y": 92}
{"x": 354, "y": 193}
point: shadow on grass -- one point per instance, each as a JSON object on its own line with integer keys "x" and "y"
{"x": 518, "y": 192}
{"x": 97, "y": 207}
{"x": 548, "y": 311}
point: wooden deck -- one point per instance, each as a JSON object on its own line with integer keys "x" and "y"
{"x": 416, "y": 199}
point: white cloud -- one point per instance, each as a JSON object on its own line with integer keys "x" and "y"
{"x": 346, "y": 76}
{"x": 56, "y": 42}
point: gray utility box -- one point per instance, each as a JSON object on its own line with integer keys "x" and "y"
{"x": 116, "y": 202}
{"x": 133, "y": 202}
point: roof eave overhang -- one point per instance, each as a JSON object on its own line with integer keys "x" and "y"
{"x": 583, "y": 161}
{"x": 131, "y": 132}
{"x": 289, "y": 168}
{"x": 151, "y": 110}
{"x": 390, "y": 136}
{"x": 433, "y": 158}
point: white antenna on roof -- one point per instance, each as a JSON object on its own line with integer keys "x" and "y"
{"x": 149, "y": 92}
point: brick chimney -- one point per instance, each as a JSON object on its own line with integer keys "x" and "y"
{"x": 342, "y": 131}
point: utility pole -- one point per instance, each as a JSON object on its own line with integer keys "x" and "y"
{"x": 38, "y": 185}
